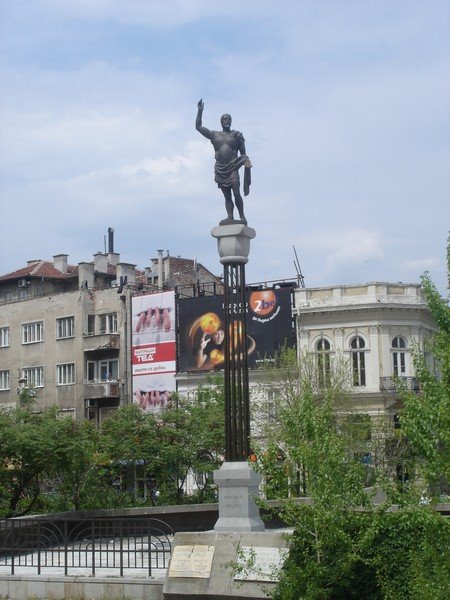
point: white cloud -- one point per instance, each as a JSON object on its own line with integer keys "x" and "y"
{"x": 353, "y": 246}
{"x": 420, "y": 264}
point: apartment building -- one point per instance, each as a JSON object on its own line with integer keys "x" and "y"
{"x": 65, "y": 329}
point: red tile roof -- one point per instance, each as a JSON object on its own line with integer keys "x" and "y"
{"x": 41, "y": 268}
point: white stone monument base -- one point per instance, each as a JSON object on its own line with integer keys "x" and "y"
{"x": 238, "y": 486}
{"x": 233, "y": 242}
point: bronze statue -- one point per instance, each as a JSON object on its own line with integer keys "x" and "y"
{"x": 227, "y": 144}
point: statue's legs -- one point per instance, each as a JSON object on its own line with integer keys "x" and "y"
{"x": 239, "y": 202}
{"x": 228, "y": 201}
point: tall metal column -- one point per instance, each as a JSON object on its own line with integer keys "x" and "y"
{"x": 234, "y": 246}
{"x": 237, "y": 409}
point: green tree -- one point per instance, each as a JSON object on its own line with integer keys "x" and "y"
{"x": 425, "y": 420}
{"x": 191, "y": 440}
{"x": 79, "y": 478}
{"x": 314, "y": 437}
{"x": 27, "y": 454}
{"x": 343, "y": 546}
{"x": 185, "y": 438}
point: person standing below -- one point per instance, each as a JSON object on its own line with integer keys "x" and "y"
{"x": 229, "y": 147}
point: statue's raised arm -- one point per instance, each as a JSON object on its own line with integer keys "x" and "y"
{"x": 229, "y": 146}
{"x": 198, "y": 121}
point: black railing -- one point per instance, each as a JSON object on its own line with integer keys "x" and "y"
{"x": 391, "y": 384}
{"x": 89, "y": 544}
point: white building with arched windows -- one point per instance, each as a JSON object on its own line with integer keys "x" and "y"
{"x": 375, "y": 326}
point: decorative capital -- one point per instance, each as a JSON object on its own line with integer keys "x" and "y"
{"x": 233, "y": 242}
{"x": 385, "y": 329}
{"x": 338, "y": 332}
{"x": 303, "y": 334}
{"x": 373, "y": 329}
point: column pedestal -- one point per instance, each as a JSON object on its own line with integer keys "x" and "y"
{"x": 238, "y": 486}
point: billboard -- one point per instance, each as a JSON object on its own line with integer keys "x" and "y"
{"x": 201, "y": 328}
{"x": 153, "y": 350}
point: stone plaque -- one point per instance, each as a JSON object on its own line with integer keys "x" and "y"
{"x": 192, "y": 561}
{"x": 260, "y": 564}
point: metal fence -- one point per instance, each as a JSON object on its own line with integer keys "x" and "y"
{"x": 113, "y": 543}
{"x": 391, "y": 384}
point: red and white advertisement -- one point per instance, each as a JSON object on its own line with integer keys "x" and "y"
{"x": 153, "y": 350}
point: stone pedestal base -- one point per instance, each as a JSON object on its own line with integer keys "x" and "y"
{"x": 233, "y": 242}
{"x": 238, "y": 486}
{"x": 222, "y": 579}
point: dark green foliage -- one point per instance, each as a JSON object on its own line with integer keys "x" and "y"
{"x": 408, "y": 551}
{"x": 401, "y": 555}
{"x": 324, "y": 561}
{"x": 48, "y": 463}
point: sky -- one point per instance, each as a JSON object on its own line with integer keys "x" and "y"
{"x": 344, "y": 107}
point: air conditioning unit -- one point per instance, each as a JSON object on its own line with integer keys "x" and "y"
{"x": 23, "y": 283}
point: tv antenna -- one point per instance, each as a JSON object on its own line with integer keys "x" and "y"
{"x": 298, "y": 268}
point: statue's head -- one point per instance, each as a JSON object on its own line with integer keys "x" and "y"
{"x": 225, "y": 120}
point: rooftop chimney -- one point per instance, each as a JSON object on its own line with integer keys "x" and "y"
{"x": 113, "y": 258}
{"x": 60, "y": 262}
{"x": 100, "y": 262}
{"x": 127, "y": 270}
{"x": 85, "y": 275}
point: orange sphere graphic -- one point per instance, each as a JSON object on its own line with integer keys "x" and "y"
{"x": 216, "y": 356}
{"x": 210, "y": 322}
{"x": 262, "y": 302}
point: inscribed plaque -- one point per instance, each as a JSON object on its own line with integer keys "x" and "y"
{"x": 260, "y": 564}
{"x": 192, "y": 561}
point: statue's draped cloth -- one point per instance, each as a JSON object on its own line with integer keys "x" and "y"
{"x": 227, "y": 173}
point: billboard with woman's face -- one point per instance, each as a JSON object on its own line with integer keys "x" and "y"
{"x": 269, "y": 326}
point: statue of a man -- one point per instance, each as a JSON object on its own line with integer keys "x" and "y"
{"x": 229, "y": 146}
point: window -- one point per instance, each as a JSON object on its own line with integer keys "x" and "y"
{"x": 5, "y": 296}
{"x": 91, "y": 324}
{"x": 103, "y": 370}
{"x": 65, "y": 374}
{"x": 358, "y": 361}
{"x": 4, "y": 337}
{"x": 34, "y": 376}
{"x": 4, "y": 380}
{"x": 108, "y": 323}
{"x": 32, "y": 332}
{"x": 323, "y": 361}
{"x": 398, "y": 356}
{"x": 65, "y": 328}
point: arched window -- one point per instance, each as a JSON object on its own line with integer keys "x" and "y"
{"x": 323, "y": 348}
{"x": 399, "y": 355}
{"x": 357, "y": 346}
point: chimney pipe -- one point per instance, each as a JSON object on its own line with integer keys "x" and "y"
{"x": 110, "y": 240}
{"x": 160, "y": 269}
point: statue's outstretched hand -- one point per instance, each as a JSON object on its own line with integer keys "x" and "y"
{"x": 200, "y": 104}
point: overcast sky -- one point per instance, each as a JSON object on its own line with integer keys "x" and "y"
{"x": 344, "y": 107}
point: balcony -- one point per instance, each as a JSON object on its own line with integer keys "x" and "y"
{"x": 391, "y": 384}
{"x": 100, "y": 341}
{"x": 106, "y": 389}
